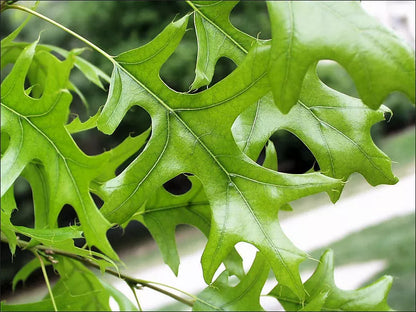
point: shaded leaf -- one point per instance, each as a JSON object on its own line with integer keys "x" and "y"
{"x": 78, "y": 289}
{"x": 36, "y": 130}
{"x": 8, "y": 204}
{"x": 323, "y": 294}
{"x": 25, "y": 272}
{"x": 245, "y": 296}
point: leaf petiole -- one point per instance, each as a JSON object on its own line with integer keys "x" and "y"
{"x": 47, "y": 19}
{"x": 133, "y": 289}
{"x": 45, "y": 276}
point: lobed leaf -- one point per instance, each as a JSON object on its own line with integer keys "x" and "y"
{"x": 245, "y": 296}
{"x": 217, "y": 38}
{"x": 335, "y": 128}
{"x": 163, "y": 212}
{"x": 8, "y": 204}
{"x": 192, "y": 133}
{"x": 378, "y": 61}
{"x": 26, "y": 271}
{"x": 36, "y": 130}
{"x": 78, "y": 289}
{"x": 323, "y": 294}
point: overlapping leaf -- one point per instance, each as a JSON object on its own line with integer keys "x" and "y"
{"x": 78, "y": 289}
{"x": 324, "y": 295}
{"x": 233, "y": 199}
{"x": 36, "y": 131}
{"x": 304, "y": 32}
{"x": 163, "y": 212}
{"x": 334, "y": 126}
{"x": 192, "y": 133}
{"x": 10, "y": 50}
{"x": 217, "y": 37}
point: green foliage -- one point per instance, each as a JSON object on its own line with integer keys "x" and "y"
{"x": 78, "y": 289}
{"x": 324, "y": 295}
{"x": 216, "y": 135}
{"x": 244, "y": 296}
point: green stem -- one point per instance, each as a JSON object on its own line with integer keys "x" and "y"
{"x": 45, "y": 276}
{"x": 128, "y": 279}
{"x": 89, "y": 43}
{"x": 133, "y": 289}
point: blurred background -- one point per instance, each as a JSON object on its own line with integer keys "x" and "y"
{"x": 117, "y": 26}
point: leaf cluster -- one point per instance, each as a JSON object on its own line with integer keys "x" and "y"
{"x": 214, "y": 135}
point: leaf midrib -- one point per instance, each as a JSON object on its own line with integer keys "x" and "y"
{"x": 20, "y": 116}
{"x": 228, "y": 174}
{"x": 322, "y": 122}
{"x": 198, "y": 139}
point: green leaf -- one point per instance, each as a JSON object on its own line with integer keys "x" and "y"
{"x": 9, "y": 38}
{"x": 123, "y": 302}
{"x": 91, "y": 72}
{"x": 117, "y": 156}
{"x": 245, "y": 296}
{"x": 192, "y": 133}
{"x": 12, "y": 50}
{"x": 25, "y": 272}
{"x": 8, "y": 204}
{"x": 77, "y": 125}
{"x": 270, "y": 160}
{"x": 78, "y": 289}
{"x": 305, "y": 32}
{"x": 164, "y": 212}
{"x": 323, "y": 294}
{"x": 36, "y": 130}
{"x": 213, "y": 26}
{"x": 50, "y": 236}
{"x": 334, "y": 126}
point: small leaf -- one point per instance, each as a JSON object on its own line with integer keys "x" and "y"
{"x": 245, "y": 296}
{"x": 323, "y": 294}
{"x": 91, "y": 72}
{"x": 77, "y": 125}
{"x": 11, "y": 51}
{"x": 213, "y": 26}
{"x": 25, "y": 272}
{"x": 78, "y": 289}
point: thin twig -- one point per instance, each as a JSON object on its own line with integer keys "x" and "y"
{"x": 6, "y": 6}
{"x": 45, "y": 276}
{"x": 133, "y": 289}
{"x": 128, "y": 279}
